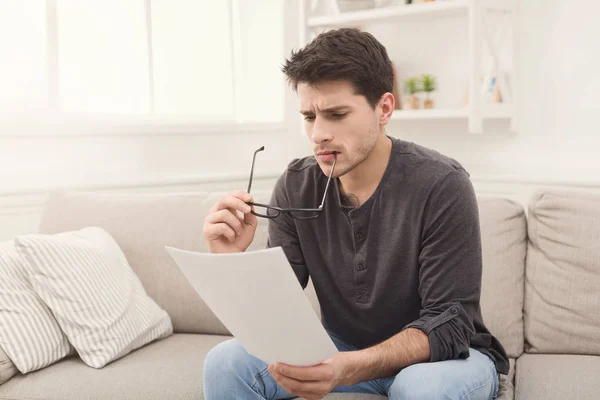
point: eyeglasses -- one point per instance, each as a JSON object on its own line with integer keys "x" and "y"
{"x": 267, "y": 211}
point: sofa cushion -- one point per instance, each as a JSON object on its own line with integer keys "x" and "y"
{"x": 557, "y": 377}
{"x": 7, "y": 368}
{"x": 562, "y": 305}
{"x": 29, "y": 334}
{"x": 504, "y": 242}
{"x": 506, "y": 391}
{"x": 95, "y": 296}
{"x": 169, "y": 369}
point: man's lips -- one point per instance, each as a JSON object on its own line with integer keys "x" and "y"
{"x": 327, "y": 155}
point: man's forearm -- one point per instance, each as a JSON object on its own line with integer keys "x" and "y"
{"x": 411, "y": 346}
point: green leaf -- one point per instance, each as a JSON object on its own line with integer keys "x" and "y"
{"x": 428, "y": 83}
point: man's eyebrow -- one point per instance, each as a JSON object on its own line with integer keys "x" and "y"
{"x": 326, "y": 110}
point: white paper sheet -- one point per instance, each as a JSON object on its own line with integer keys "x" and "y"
{"x": 257, "y": 296}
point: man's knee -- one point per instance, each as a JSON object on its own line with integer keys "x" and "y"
{"x": 226, "y": 359}
{"x": 425, "y": 381}
{"x": 416, "y": 383}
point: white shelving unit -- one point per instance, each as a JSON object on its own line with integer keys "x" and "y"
{"x": 397, "y": 12}
{"x": 498, "y": 111}
{"x": 476, "y": 15}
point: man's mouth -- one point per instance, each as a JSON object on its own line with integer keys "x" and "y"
{"x": 327, "y": 155}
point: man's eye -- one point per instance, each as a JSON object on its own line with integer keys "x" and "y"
{"x": 309, "y": 118}
{"x": 339, "y": 116}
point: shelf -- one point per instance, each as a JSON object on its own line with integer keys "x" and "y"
{"x": 357, "y": 18}
{"x": 429, "y": 114}
{"x": 499, "y": 111}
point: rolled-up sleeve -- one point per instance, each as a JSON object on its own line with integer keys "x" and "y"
{"x": 282, "y": 232}
{"x": 450, "y": 263}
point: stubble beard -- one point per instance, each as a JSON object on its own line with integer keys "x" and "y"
{"x": 364, "y": 149}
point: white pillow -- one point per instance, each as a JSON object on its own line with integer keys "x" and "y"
{"x": 7, "y": 368}
{"x": 98, "y": 301}
{"x": 29, "y": 334}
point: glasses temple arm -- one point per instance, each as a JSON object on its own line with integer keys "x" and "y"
{"x": 252, "y": 169}
{"x": 328, "y": 181}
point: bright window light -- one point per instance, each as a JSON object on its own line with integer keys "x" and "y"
{"x": 23, "y": 72}
{"x": 103, "y": 56}
{"x": 179, "y": 61}
{"x": 192, "y": 53}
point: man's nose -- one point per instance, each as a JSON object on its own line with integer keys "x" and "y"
{"x": 320, "y": 131}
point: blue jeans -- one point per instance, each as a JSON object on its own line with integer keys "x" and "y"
{"x": 231, "y": 373}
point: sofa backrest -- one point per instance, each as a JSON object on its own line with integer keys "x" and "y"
{"x": 562, "y": 293}
{"x": 504, "y": 242}
{"x": 143, "y": 224}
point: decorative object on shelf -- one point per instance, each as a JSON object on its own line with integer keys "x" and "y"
{"x": 412, "y": 87}
{"x": 428, "y": 85}
{"x": 491, "y": 89}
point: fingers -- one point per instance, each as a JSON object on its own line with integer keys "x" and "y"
{"x": 245, "y": 196}
{"x": 306, "y": 389}
{"x": 214, "y": 231}
{"x": 225, "y": 216}
{"x": 234, "y": 200}
{"x": 229, "y": 216}
{"x": 251, "y": 219}
{"x": 320, "y": 372}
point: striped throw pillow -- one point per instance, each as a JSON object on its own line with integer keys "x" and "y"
{"x": 97, "y": 299}
{"x": 7, "y": 368}
{"x": 29, "y": 334}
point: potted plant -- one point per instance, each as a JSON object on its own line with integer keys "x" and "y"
{"x": 412, "y": 87}
{"x": 428, "y": 85}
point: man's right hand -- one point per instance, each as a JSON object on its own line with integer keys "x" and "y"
{"x": 224, "y": 230}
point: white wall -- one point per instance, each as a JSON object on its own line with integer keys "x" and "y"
{"x": 41, "y": 162}
{"x": 559, "y": 87}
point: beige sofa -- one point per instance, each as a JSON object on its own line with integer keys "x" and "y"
{"x": 541, "y": 296}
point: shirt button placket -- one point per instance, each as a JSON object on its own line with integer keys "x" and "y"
{"x": 359, "y": 266}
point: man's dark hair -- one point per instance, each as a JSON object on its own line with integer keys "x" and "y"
{"x": 343, "y": 54}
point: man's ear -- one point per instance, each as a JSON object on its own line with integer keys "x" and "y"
{"x": 386, "y": 104}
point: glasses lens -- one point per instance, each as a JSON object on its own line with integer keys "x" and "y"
{"x": 304, "y": 214}
{"x": 265, "y": 212}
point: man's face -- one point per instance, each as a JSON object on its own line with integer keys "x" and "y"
{"x": 338, "y": 120}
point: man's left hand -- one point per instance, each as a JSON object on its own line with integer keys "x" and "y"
{"x": 314, "y": 382}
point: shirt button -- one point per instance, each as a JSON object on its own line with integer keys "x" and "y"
{"x": 360, "y": 267}
{"x": 454, "y": 310}
{"x": 359, "y": 236}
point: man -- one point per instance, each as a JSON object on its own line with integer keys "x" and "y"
{"x": 395, "y": 255}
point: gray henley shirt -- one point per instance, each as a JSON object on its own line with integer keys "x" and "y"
{"x": 410, "y": 256}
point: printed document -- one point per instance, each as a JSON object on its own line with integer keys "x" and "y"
{"x": 257, "y": 296}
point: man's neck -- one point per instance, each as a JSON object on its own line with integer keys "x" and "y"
{"x": 359, "y": 184}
